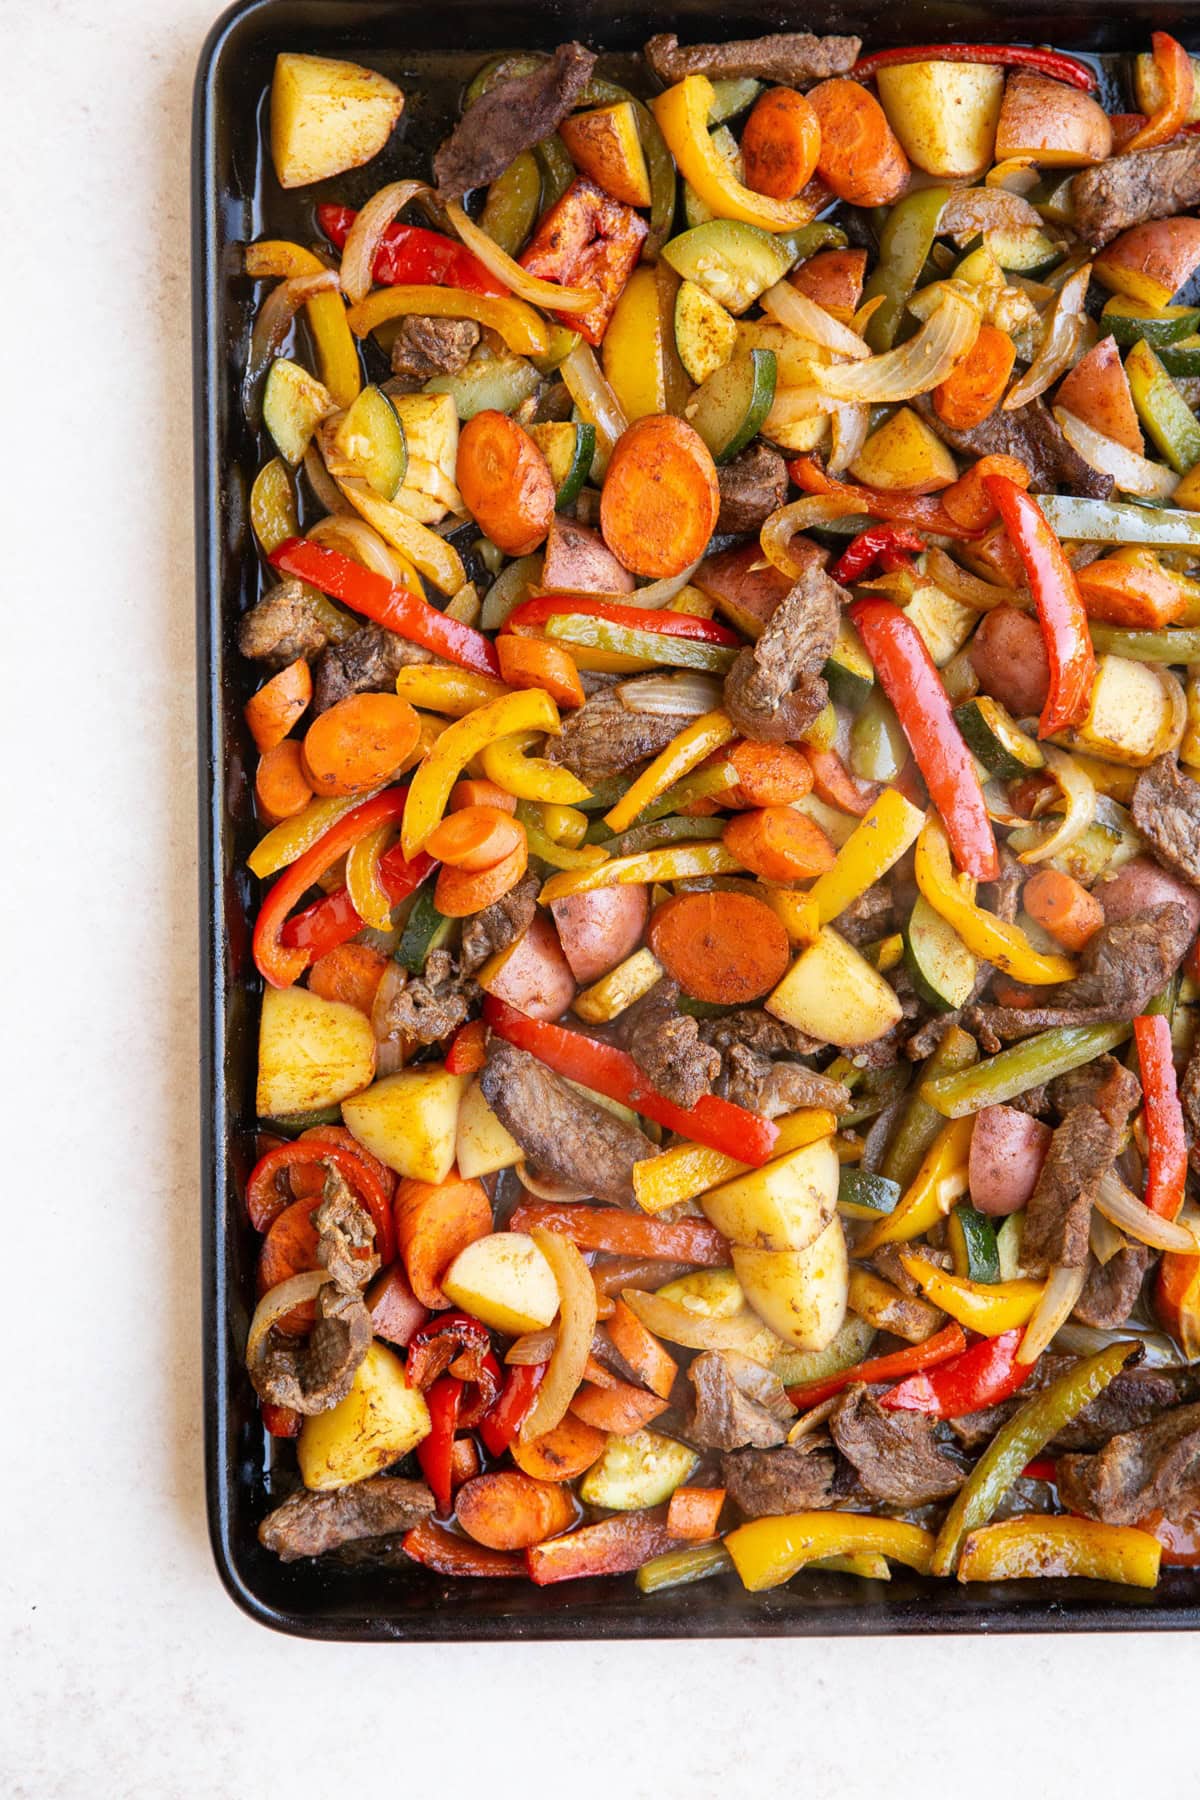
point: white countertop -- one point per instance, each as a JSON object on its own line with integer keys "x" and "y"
{"x": 126, "y": 1670}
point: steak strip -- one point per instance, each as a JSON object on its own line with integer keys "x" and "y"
{"x": 1166, "y": 810}
{"x": 1153, "y": 1469}
{"x": 1127, "y": 190}
{"x": 1059, "y": 1214}
{"x": 562, "y": 1134}
{"x": 790, "y": 57}
{"x": 1032, "y": 435}
{"x": 513, "y": 116}
{"x": 309, "y": 1524}
{"x": 665, "y": 1044}
{"x": 774, "y": 691}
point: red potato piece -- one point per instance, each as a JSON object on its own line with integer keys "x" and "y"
{"x": 395, "y": 1311}
{"x": 1141, "y": 884}
{"x": 1007, "y": 1151}
{"x": 578, "y": 561}
{"x": 745, "y": 589}
{"x": 1097, "y": 391}
{"x": 1008, "y": 656}
{"x": 534, "y": 975}
{"x": 600, "y": 929}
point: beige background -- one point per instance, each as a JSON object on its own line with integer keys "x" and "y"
{"x": 126, "y": 1671}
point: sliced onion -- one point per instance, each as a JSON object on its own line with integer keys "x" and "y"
{"x": 328, "y": 493}
{"x": 534, "y": 1347}
{"x": 917, "y": 366}
{"x": 808, "y": 1421}
{"x": 275, "y": 316}
{"x": 796, "y": 312}
{"x": 1079, "y": 792}
{"x": 576, "y": 1326}
{"x": 1015, "y": 175}
{"x": 851, "y": 425}
{"x": 1104, "y": 1240}
{"x": 666, "y": 1318}
{"x": 1086, "y": 1340}
{"x": 956, "y": 581}
{"x": 799, "y": 516}
{"x": 545, "y": 1187}
{"x": 1053, "y": 1310}
{"x": 592, "y": 394}
{"x": 366, "y": 235}
{"x": 657, "y": 593}
{"x": 526, "y": 286}
{"x": 1132, "y": 473}
{"x": 796, "y": 405}
{"x": 686, "y": 696}
{"x": 277, "y": 1302}
{"x": 1059, "y": 345}
{"x": 993, "y": 208}
{"x": 1134, "y": 1218}
{"x": 355, "y": 538}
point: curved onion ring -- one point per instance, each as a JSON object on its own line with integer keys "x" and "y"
{"x": 797, "y": 313}
{"x": 657, "y": 593}
{"x": 277, "y": 1302}
{"x": 1059, "y": 345}
{"x": 666, "y": 1318}
{"x": 686, "y": 696}
{"x": 355, "y": 538}
{"x": 1104, "y": 1240}
{"x": 1079, "y": 792}
{"x": 956, "y": 581}
{"x": 533, "y": 1348}
{"x": 276, "y": 314}
{"x": 547, "y": 1189}
{"x": 1052, "y": 1311}
{"x": 576, "y": 1327}
{"x": 851, "y": 425}
{"x": 1084, "y": 1340}
{"x": 917, "y": 366}
{"x": 324, "y": 486}
{"x": 366, "y": 235}
{"x": 1135, "y": 1219}
{"x": 799, "y": 516}
{"x": 592, "y": 394}
{"x": 526, "y": 286}
{"x": 1132, "y": 473}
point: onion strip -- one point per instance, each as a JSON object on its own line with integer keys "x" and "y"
{"x": 667, "y": 1319}
{"x": 1104, "y": 1240}
{"x": 1059, "y": 345}
{"x": 797, "y": 313}
{"x": 956, "y": 581}
{"x": 275, "y": 316}
{"x": 326, "y": 489}
{"x": 593, "y": 396}
{"x": 686, "y": 696}
{"x": 851, "y": 424}
{"x": 576, "y": 1326}
{"x": 526, "y": 286}
{"x": 1134, "y": 1218}
{"x": 789, "y": 521}
{"x": 1059, "y": 1297}
{"x": 1079, "y": 792}
{"x": 355, "y": 538}
{"x": 1132, "y": 473}
{"x": 277, "y": 1302}
{"x": 915, "y": 367}
{"x": 657, "y": 593}
{"x": 366, "y": 234}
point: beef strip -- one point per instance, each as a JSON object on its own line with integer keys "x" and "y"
{"x": 895, "y": 1454}
{"x": 1132, "y": 1398}
{"x": 753, "y": 486}
{"x": 309, "y": 1524}
{"x": 1031, "y": 434}
{"x": 1189, "y": 1094}
{"x": 869, "y": 917}
{"x": 345, "y": 1233}
{"x": 562, "y": 1134}
{"x": 367, "y": 662}
{"x": 794, "y": 1478}
{"x": 1111, "y": 1290}
{"x": 751, "y": 1079}
{"x": 282, "y": 627}
{"x": 1125, "y": 190}
{"x": 790, "y": 57}
{"x": 514, "y": 116}
{"x": 428, "y": 1007}
{"x": 774, "y": 691}
{"x": 312, "y": 1374}
{"x": 723, "y": 1417}
{"x": 499, "y": 925}
{"x": 1059, "y": 1214}
{"x": 1166, "y": 810}
{"x": 1104, "y": 1083}
{"x": 1153, "y": 1469}
{"x": 602, "y": 738}
{"x": 424, "y": 347}
{"x": 666, "y": 1045}
{"x": 759, "y": 1030}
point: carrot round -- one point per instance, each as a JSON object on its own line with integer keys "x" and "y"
{"x": 561, "y": 1454}
{"x": 506, "y": 482}
{"x": 350, "y": 973}
{"x": 480, "y": 792}
{"x": 460, "y": 892}
{"x": 620, "y": 1408}
{"x": 693, "y": 1513}
{"x": 780, "y": 144}
{"x": 359, "y": 743}
{"x": 724, "y": 948}
{"x": 1062, "y": 907}
{"x": 510, "y": 1511}
{"x": 278, "y": 704}
{"x": 779, "y": 844}
{"x": 973, "y": 391}
{"x": 532, "y": 663}
{"x": 474, "y": 838}
{"x": 860, "y": 158}
{"x": 280, "y": 783}
{"x": 660, "y": 500}
{"x": 290, "y": 1248}
{"x": 768, "y": 774}
{"x": 967, "y": 499}
{"x": 434, "y": 1222}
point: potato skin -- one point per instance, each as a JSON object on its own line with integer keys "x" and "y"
{"x": 1007, "y": 1151}
{"x": 1008, "y": 655}
{"x": 1055, "y": 125}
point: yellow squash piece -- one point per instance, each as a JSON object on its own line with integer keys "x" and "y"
{"x": 610, "y": 996}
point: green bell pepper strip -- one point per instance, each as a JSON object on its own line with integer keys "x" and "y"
{"x": 1025, "y": 1436}
{"x": 921, "y": 1123}
{"x": 558, "y": 171}
{"x": 513, "y": 203}
{"x": 904, "y": 246}
{"x": 679, "y": 1568}
{"x": 650, "y": 646}
{"x": 660, "y": 167}
{"x": 1168, "y": 419}
{"x": 1168, "y": 647}
{"x": 1119, "y": 522}
{"x": 542, "y": 845}
{"x": 805, "y": 240}
{"x": 881, "y": 1087}
{"x": 1022, "y": 1066}
{"x": 666, "y": 831}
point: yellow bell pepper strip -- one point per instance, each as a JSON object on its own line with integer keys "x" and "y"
{"x": 285, "y": 842}
{"x": 989, "y": 1308}
{"x": 451, "y": 691}
{"x": 922, "y": 1121}
{"x": 337, "y": 356}
{"x": 1176, "y": 83}
{"x": 566, "y": 825}
{"x": 982, "y": 932}
{"x": 506, "y": 762}
{"x": 694, "y": 743}
{"x": 530, "y": 710}
{"x": 768, "y": 1552}
{"x": 363, "y": 885}
{"x": 675, "y": 862}
{"x": 708, "y": 783}
{"x": 431, "y": 554}
{"x": 1038, "y": 1545}
{"x": 682, "y": 117}
{"x": 886, "y": 830}
{"x": 686, "y": 1170}
{"x": 543, "y": 846}
{"x": 940, "y": 1181}
{"x": 797, "y": 913}
{"x": 518, "y": 324}
{"x": 1017, "y": 1442}
{"x": 1011, "y": 1072}
{"x": 614, "y": 992}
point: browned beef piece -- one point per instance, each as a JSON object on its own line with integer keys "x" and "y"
{"x": 723, "y": 1417}
{"x": 791, "y": 57}
{"x": 1132, "y": 1398}
{"x": 514, "y": 116}
{"x": 1166, "y": 810}
{"x": 428, "y": 1007}
{"x": 366, "y": 663}
{"x": 887, "y": 1261}
{"x": 868, "y": 917}
{"x": 1153, "y": 1469}
{"x": 1189, "y": 1094}
{"x": 760, "y": 1030}
{"x": 928, "y": 1035}
{"x": 753, "y": 486}
{"x": 1030, "y": 434}
{"x": 753, "y": 1080}
{"x": 1103, "y": 1083}
{"x": 795, "y": 1478}
{"x": 282, "y": 627}
{"x": 309, "y": 1524}
{"x": 498, "y": 925}
{"x": 773, "y": 692}
{"x": 895, "y": 1454}
{"x": 1125, "y": 190}
{"x": 424, "y": 347}
{"x": 665, "y": 1044}
{"x": 1059, "y": 1213}
{"x": 1111, "y": 1290}
{"x": 312, "y": 1374}
{"x": 345, "y": 1233}
{"x": 562, "y": 1134}
{"x": 1035, "y": 1101}
{"x": 603, "y": 738}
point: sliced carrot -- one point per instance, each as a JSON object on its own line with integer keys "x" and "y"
{"x": 860, "y": 158}
{"x": 1062, "y": 907}
{"x": 768, "y": 774}
{"x": 278, "y": 704}
{"x": 643, "y": 1352}
{"x": 474, "y": 838}
{"x": 535, "y": 663}
{"x": 968, "y": 501}
{"x": 693, "y": 1513}
{"x": 465, "y": 1461}
{"x": 509, "y": 1510}
{"x": 459, "y": 892}
{"x": 626, "y": 1234}
{"x": 435, "y": 1222}
{"x": 350, "y": 973}
{"x": 836, "y": 786}
{"x": 290, "y": 1248}
{"x": 621, "y": 1408}
{"x": 561, "y": 1454}
{"x": 1136, "y": 593}
{"x": 505, "y": 482}
{"x": 280, "y": 784}
{"x": 727, "y": 949}
{"x": 779, "y": 844}
{"x": 478, "y": 792}
{"x": 359, "y": 743}
{"x": 780, "y": 144}
{"x": 973, "y": 390}
{"x": 659, "y": 504}
{"x": 598, "y": 1375}
{"x": 834, "y": 279}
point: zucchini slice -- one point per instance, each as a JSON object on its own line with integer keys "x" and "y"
{"x": 487, "y": 384}
{"x": 971, "y": 1238}
{"x": 862, "y": 1195}
{"x": 568, "y": 447}
{"x": 941, "y": 967}
{"x": 732, "y": 96}
{"x": 849, "y": 671}
{"x": 730, "y": 408}
{"x": 642, "y": 1469}
{"x": 371, "y": 438}
{"x": 424, "y": 930}
{"x": 705, "y": 334}
{"x": 1182, "y": 358}
{"x": 294, "y": 403}
{"x": 734, "y": 263}
{"x": 1131, "y": 320}
{"x": 994, "y": 736}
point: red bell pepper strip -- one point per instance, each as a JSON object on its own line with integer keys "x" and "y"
{"x": 982, "y": 1376}
{"x": 922, "y": 511}
{"x": 944, "y": 1344}
{"x": 411, "y": 255}
{"x": 1174, "y": 67}
{"x": 532, "y": 614}
{"x": 333, "y": 921}
{"x": 889, "y": 546}
{"x": 606, "y": 1070}
{"x": 436, "y": 1451}
{"x": 1180, "y": 1538}
{"x": 387, "y": 603}
{"x": 456, "y": 1342}
{"x": 264, "y": 1201}
{"x": 468, "y": 1048}
{"x": 1059, "y": 608}
{"x": 1166, "y": 1139}
{"x": 498, "y": 1427}
{"x": 281, "y": 1421}
{"x": 623, "y": 1233}
{"x": 910, "y": 680}
{"x": 277, "y": 962}
{"x": 1042, "y": 1468}
{"x": 1046, "y": 62}
{"x": 436, "y": 1548}
{"x": 613, "y": 1547}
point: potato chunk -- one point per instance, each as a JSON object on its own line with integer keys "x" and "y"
{"x": 311, "y": 1052}
{"x": 327, "y": 116}
{"x": 380, "y": 1420}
